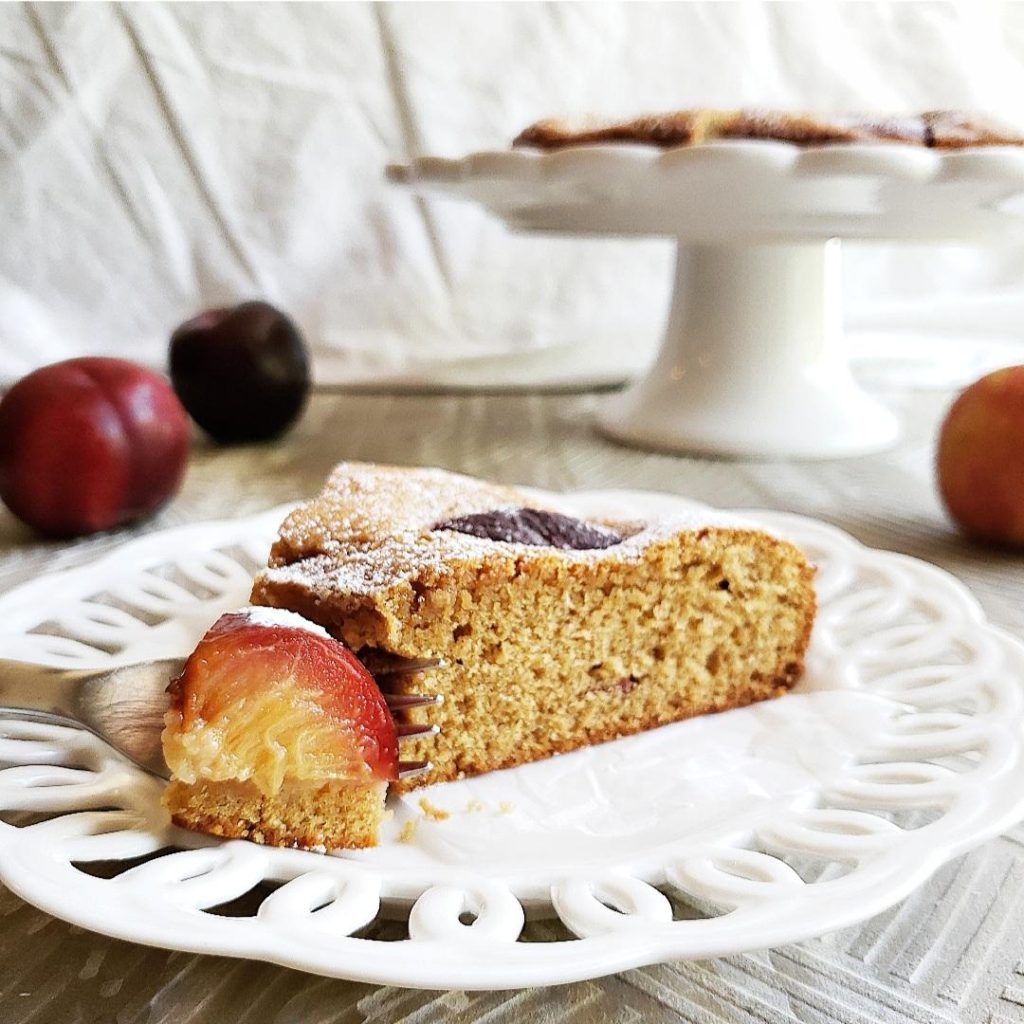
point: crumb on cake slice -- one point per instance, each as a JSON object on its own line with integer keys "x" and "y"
{"x": 276, "y": 733}
{"x": 554, "y": 633}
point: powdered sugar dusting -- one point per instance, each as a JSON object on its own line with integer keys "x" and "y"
{"x": 261, "y": 616}
{"x": 371, "y": 530}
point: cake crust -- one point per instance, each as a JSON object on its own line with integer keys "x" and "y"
{"x": 940, "y": 129}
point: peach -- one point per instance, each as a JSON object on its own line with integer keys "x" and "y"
{"x": 981, "y": 458}
{"x": 89, "y": 444}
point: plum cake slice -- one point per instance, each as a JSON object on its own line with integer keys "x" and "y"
{"x": 553, "y": 633}
{"x": 277, "y": 733}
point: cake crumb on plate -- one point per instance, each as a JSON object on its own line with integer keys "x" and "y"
{"x": 432, "y": 812}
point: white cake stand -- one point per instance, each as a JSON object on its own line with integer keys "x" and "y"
{"x": 753, "y": 362}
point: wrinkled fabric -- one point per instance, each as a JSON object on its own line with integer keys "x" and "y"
{"x": 159, "y": 158}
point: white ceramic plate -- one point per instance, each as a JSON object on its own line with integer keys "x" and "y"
{"x": 901, "y": 748}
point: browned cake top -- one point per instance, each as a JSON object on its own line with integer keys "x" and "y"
{"x": 942, "y": 129}
{"x": 373, "y": 527}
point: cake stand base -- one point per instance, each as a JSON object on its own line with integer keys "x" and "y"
{"x": 753, "y": 363}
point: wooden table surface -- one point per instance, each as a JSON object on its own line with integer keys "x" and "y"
{"x": 953, "y": 951}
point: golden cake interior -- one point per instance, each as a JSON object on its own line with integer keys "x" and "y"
{"x": 330, "y": 815}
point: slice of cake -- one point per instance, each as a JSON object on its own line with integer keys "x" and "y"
{"x": 553, "y": 633}
{"x": 941, "y": 129}
{"x": 278, "y": 734}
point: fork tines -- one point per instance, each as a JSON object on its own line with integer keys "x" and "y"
{"x": 396, "y": 667}
{"x": 404, "y": 701}
{"x": 409, "y": 731}
{"x": 411, "y": 769}
{"x": 416, "y": 732}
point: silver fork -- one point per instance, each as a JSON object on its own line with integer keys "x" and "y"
{"x": 125, "y": 706}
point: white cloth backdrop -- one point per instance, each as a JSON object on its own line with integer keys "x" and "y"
{"x": 158, "y": 158}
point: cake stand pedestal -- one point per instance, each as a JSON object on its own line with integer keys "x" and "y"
{"x": 753, "y": 363}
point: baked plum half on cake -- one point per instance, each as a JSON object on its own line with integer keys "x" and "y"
{"x": 277, "y": 733}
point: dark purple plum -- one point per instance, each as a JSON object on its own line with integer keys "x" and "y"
{"x": 533, "y": 526}
{"x": 242, "y": 373}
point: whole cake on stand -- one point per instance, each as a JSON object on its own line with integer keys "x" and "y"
{"x": 753, "y": 362}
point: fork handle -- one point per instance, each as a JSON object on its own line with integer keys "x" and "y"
{"x": 26, "y": 686}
